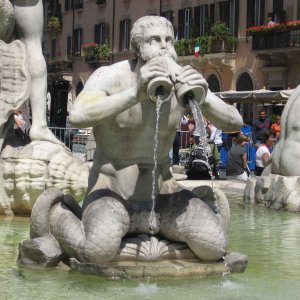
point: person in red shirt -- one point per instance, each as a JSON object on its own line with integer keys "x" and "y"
{"x": 276, "y": 127}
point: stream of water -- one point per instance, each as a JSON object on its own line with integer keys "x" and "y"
{"x": 270, "y": 238}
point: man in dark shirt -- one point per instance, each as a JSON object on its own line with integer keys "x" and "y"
{"x": 260, "y": 126}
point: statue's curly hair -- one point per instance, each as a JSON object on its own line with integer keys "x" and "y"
{"x": 139, "y": 27}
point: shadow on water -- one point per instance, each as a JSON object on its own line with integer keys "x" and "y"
{"x": 270, "y": 238}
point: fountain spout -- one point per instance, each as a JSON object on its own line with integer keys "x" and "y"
{"x": 161, "y": 87}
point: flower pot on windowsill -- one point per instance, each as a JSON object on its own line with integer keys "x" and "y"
{"x": 90, "y": 59}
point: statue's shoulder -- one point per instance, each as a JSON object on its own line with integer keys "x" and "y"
{"x": 118, "y": 69}
{"x": 108, "y": 76}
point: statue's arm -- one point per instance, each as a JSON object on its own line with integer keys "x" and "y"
{"x": 112, "y": 90}
{"x": 93, "y": 106}
{"x": 99, "y": 101}
{"x": 224, "y": 116}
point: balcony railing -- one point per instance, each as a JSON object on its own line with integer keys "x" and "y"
{"x": 276, "y": 39}
{"x": 59, "y": 66}
{"x": 101, "y": 2}
{"x": 187, "y": 47}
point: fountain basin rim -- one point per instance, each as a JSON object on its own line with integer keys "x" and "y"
{"x": 156, "y": 269}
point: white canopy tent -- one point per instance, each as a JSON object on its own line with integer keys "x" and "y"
{"x": 256, "y": 97}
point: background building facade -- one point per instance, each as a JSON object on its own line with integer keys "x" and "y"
{"x": 256, "y": 59}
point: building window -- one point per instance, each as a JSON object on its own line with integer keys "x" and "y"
{"x": 53, "y": 48}
{"x": 78, "y": 4}
{"x": 169, "y": 15}
{"x": 124, "y": 35}
{"x": 101, "y": 33}
{"x": 229, "y": 14}
{"x": 255, "y": 12}
{"x": 77, "y": 41}
{"x": 211, "y": 14}
{"x": 68, "y": 5}
{"x": 187, "y": 23}
{"x": 201, "y": 19}
{"x": 102, "y": 2}
{"x": 279, "y": 13}
{"x": 69, "y": 46}
{"x": 184, "y": 23}
{"x": 234, "y": 16}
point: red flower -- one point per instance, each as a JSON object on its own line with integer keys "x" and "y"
{"x": 89, "y": 45}
{"x": 275, "y": 27}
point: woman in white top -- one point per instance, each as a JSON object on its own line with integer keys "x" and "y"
{"x": 263, "y": 152}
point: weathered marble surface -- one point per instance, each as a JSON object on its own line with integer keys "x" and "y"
{"x": 233, "y": 263}
{"x": 286, "y": 155}
{"x": 14, "y": 78}
{"x": 30, "y": 170}
{"x": 7, "y": 20}
{"x": 274, "y": 191}
{"x": 125, "y": 195}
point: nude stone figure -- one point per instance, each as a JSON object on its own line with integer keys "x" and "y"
{"x": 28, "y": 16}
{"x": 286, "y": 156}
{"x": 115, "y": 101}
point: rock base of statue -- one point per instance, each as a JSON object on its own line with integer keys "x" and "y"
{"x": 233, "y": 263}
{"x": 274, "y": 191}
{"x": 30, "y": 170}
{"x": 139, "y": 256}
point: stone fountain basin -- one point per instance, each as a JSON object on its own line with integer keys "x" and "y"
{"x": 233, "y": 263}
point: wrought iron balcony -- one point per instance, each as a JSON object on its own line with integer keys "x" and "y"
{"x": 276, "y": 39}
{"x": 101, "y": 2}
{"x": 59, "y": 66}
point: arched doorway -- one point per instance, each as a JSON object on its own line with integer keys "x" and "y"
{"x": 213, "y": 83}
{"x": 245, "y": 83}
{"x": 79, "y": 88}
{"x": 59, "y": 101}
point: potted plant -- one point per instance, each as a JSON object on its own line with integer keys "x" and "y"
{"x": 103, "y": 52}
{"x": 94, "y": 53}
{"x": 89, "y": 51}
{"x": 54, "y": 25}
{"x": 184, "y": 47}
{"x": 222, "y": 38}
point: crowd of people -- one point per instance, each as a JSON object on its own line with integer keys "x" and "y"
{"x": 263, "y": 136}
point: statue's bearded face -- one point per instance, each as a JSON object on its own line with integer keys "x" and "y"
{"x": 158, "y": 41}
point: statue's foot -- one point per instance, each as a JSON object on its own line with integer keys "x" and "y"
{"x": 44, "y": 134}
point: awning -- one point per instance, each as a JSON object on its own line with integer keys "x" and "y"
{"x": 256, "y": 96}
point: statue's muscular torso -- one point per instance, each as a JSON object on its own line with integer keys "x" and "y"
{"x": 125, "y": 143}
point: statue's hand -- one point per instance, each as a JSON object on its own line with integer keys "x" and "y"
{"x": 189, "y": 76}
{"x": 152, "y": 69}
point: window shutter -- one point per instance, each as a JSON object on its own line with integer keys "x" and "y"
{"x": 180, "y": 23}
{"x": 121, "y": 35}
{"x": 197, "y": 20}
{"x": 66, "y": 5}
{"x": 97, "y": 34}
{"x": 191, "y": 25}
{"x": 236, "y": 17}
{"x": 128, "y": 34}
{"x": 262, "y": 12}
{"x": 211, "y": 14}
{"x": 107, "y": 37}
{"x": 250, "y": 13}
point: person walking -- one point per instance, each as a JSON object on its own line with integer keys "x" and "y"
{"x": 237, "y": 167}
